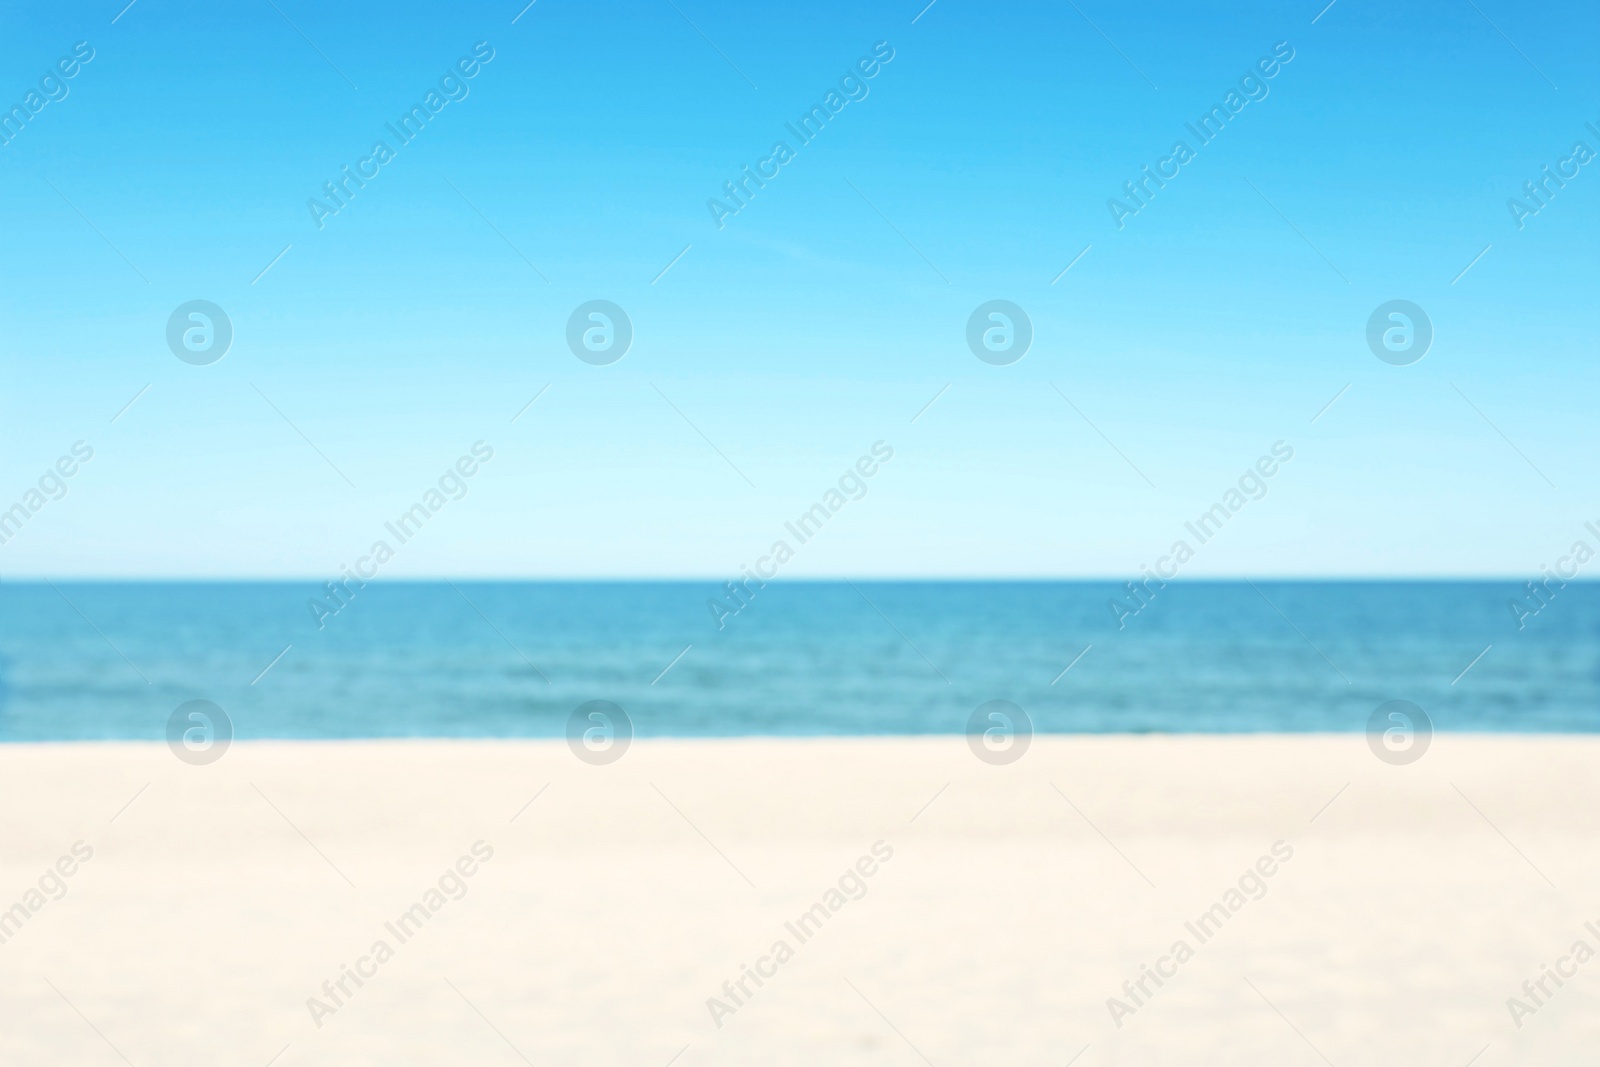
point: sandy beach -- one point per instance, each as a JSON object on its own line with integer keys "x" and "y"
{"x": 866, "y": 901}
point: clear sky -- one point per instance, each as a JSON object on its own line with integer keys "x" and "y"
{"x": 576, "y": 164}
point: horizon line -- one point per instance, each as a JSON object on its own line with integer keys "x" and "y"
{"x": 444, "y": 579}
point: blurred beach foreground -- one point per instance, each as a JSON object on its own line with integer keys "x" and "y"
{"x": 1104, "y": 900}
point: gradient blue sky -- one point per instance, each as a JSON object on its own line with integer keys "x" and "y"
{"x": 823, "y": 317}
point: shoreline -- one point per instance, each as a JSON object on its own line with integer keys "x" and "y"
{"x": 626, "y": 906}
{"x": 722, "y": 739}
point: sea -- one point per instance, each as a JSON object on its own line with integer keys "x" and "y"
{"x": 113, "y": 660}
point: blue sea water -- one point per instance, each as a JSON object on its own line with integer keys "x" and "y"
{"x": 81, "y": 660}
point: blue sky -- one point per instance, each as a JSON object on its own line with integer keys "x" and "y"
{"x": 821, "y": 318}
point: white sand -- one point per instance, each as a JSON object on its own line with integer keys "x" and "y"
{"x": 994, "y": 935}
